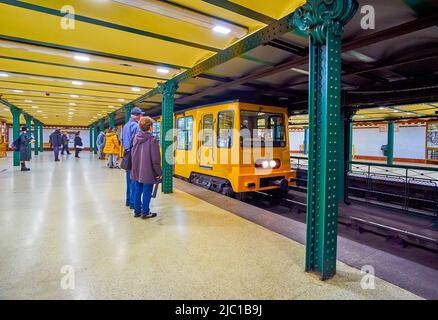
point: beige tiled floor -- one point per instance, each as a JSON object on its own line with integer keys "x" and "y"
{"x": 72, "y": 213}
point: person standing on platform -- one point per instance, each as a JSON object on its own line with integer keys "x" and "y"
{"x": 146, "y": 167}
{"x": 78, "y": 144}
{"x": 65, "y": 143}
{"x": 100, "y": 143}
{"x": 24, "y": 144}
{"x": 112, "y": 148}
{"x": 55, "y": 140}
{"x": 129, "y": 131}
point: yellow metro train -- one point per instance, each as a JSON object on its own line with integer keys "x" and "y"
{"x": 233, "y": 148}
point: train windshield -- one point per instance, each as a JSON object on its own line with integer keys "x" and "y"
{"x": 262, "y": 129}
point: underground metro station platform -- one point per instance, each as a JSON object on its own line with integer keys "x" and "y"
{"x": 213, "y": 150}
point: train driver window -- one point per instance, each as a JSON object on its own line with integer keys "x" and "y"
{"x": 225, "y": 129}
{"x": 184, "y": 133}
{"x": 262, "y": 129}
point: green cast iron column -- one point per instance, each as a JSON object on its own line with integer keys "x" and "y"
{"x": 29, "y": 119}
{"x": 390, "y": 146}
{"x": 323, "y": 20}
{"x": 102, "y": 125}
{"x": 167, "y": 157}
{"x": 16, "y": 132}
{"x": 35, "y": 133}
{"x": 128, "y": 109}
{"x": 41, "y": 137}
{"x": 111, "y": 121}
{"x": 91, "y": 138}
{"x": 95, "y": 137}
{"x": 305, "y": 143}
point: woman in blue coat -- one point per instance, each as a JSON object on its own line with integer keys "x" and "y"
{"x": 24, "y": 142}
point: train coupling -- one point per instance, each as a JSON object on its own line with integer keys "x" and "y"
{"x": 283, "y": 184}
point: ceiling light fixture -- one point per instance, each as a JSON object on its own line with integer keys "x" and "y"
{"x": 34, "y": 107}
{"x": 77, "y": 83}
{"x": 71, "y": 109}
{"x": 4, "y": 75}
{"x": 74, "y": 96}
{"x": 135, "y": 89}
{"x": 71, "y": 113}
{"x": 39, "y": 111}
{"x": 28, "y": 101}
{"x": 18, "y": 91}
{"x": 72, "y": 104}
{"x": 163, "y": 70}
{"x": 111, "y": 107}
{"x": 221, "y": 29}
{"x": 81, "y": 57}
{"x": 121, "y": 100}
{"x": 199, "y": 19}
{"x": 300, "y": 71}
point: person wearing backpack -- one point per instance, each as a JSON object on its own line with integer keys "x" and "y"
{"x": 55, "y": 140}
{"x": 65, "y": 143}
{"x": 23, "y": 145}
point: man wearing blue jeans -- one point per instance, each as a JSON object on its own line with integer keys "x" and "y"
{"x": 129, "y": 131}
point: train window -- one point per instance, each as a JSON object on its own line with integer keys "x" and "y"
{"x": 261, "y": 129}
{"x": 184, "y": 133}
{"x": 156, "y": 130}
{"x": 207, "y": 130}
{"x": 225, "y": 129}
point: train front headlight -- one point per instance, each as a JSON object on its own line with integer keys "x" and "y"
{"x": 265, "y": 164}
{"x": 268, "y": 164}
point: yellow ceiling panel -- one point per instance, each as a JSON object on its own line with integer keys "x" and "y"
{"x": 68, "y": 74}
{"x": 276, "y": 9}
{"x": 117, "y": 13}
{"x": 215, "y": 11}
{"x": 41, "y": 90}
{"x": 36, "y": 26}
{"x": 65, "y": 58}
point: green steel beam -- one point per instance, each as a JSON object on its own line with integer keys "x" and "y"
{"x": 168, "y": 91}
{"x": 323, "y": 21}
{"x": 127, "y": 108}
{"x": 36, "y": 136}
{"x": 91, "y": 138}
{"x": 96, "y": 132}
{"x": 15, "y": 131}
{"x": 305, "y": 143}
{"x": 28, "y": 119}
{"x": 241, "y": 10}
{"x": 390, "y": 145}
{"x": 101, "y": 124}
{"x": 41, "y": 136}
{"x": 111, "y": 121}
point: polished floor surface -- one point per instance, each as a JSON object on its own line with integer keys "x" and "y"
{"x": 65, "y": 233}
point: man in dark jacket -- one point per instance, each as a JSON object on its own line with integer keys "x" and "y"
{"x": 146, "y": 167}
{"x": 65, "y": 143}
{"x": 23, "y": 141}
{"x": 55, "y": 140}
{"x": 78, "y": 144}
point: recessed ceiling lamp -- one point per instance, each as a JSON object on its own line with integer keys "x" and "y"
{"x": 34, "y": 107}
{"x": 71, "y": 113}
{"x": 18, "y": 91}
{"x": 163, "y": 70}
{"x": 221, "y": 29}
{"x": 121, "y": 100}
{"x": 111, "y": 107}
{"x": 74, "y": 96}
{"x": 99, "y": 114}
{"x": 80, "y": 57}
{"x": 28, "y": 101}
{"x": 382, "y": 108}
{"x": 135, "y": 89}
{"x": 4, "y": 75}
{"x": 72, "y": 104}
{"x": 77, "y": 83}
{"x": 39, "y": 111}
{"x": 71, "y": 109}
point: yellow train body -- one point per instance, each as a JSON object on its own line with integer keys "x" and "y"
{"x": 232, "y": 143}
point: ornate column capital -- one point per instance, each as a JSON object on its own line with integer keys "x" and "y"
{"x": 316, "y": 16}
{"x": 168, "y": 88}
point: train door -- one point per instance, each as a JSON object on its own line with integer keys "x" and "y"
{"x": 206, "y": 156}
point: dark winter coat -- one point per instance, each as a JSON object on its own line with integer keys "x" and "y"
{"x": 145, "y": 155}
{"x": 24, "y": 140}
{"x": 56, "y": 139}
{"x": 78, "y": 141}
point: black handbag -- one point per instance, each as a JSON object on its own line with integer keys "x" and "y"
{"x": 126, "y": 163}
